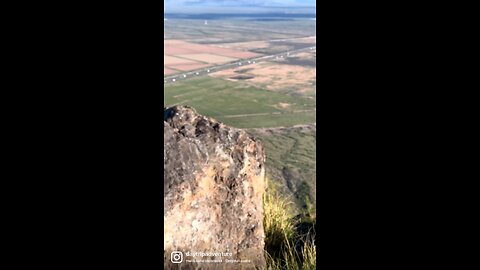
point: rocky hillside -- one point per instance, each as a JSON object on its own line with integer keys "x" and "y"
{"x": 214, "y": 180}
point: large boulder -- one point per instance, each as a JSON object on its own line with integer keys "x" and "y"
{"x": 214, "y": 180}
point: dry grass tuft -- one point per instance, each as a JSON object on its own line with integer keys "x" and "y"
{"x": 285, "y": 247}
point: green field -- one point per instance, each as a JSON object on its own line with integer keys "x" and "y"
{"x": 239, "y": 105}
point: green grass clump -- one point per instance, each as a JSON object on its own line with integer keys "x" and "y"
{"x": 286, "y": 247}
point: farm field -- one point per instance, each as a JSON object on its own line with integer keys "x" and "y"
{"x": 180, "y": 56}
{"x": 239, "y": 105}
{"x": 295, "y": 75}
{"x": 222, "y": 31}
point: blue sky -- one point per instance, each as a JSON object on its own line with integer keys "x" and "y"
{"x": 235, "y": 6}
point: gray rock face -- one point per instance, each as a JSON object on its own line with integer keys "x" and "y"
{"x": 214, "y": 179}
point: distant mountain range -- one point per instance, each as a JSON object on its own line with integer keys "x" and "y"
{"x": 240, "y": 6}
{"x": 219, "y": 16}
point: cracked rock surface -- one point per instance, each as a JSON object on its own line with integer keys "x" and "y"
{"x": 214, "y": 180}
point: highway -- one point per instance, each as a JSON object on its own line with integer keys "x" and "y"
{"x": 244, "y": 62}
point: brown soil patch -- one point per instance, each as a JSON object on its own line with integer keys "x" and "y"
{"x": 252, "y": 45}
{"x": 275, "y": 77}
{"x": 208, "y": 58}
{"x": 283, "y": 105}
{"x": 189, "y": 67}
{"x": 172, "y": 60}
{"x": 167, "y": 71}
{"x": 185, "y": 56}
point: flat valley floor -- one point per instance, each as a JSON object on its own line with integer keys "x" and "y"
{"x": 274, "y": 99}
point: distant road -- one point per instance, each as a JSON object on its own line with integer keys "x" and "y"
{"x": 245, "y": 62}
{"x": 290, "y": 39}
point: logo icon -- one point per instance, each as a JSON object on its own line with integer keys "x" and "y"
{"x": 176, "y": 257}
